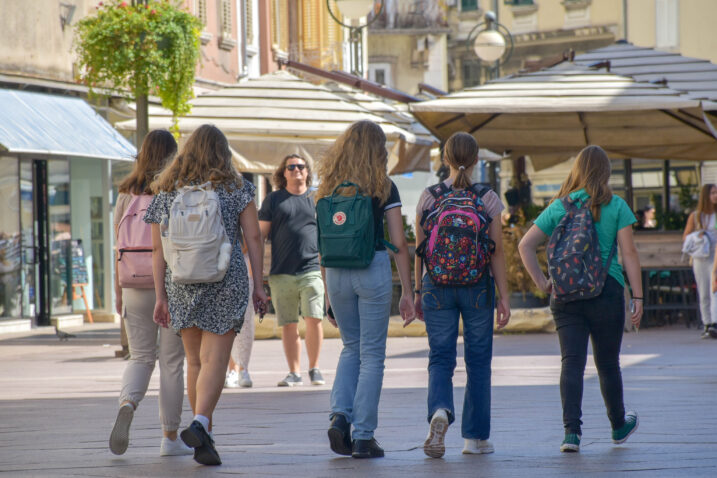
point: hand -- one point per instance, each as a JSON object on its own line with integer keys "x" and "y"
{"x": 419, "y": 307}
{"x": 330, "y": 317}
{"x": 636, "y": 315}
{"x": 407, "y": 309}
{"x": 260, "y": 300}
{"x": 546, "y": 285}
{"x": 503, "y": 312}
{"x": 161, "y": 313}
{"x": 714, "y": 284}
{"x": 118, "y": 301}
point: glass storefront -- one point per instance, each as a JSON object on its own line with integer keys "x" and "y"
{"x": 10, "y": 263}
{"x": 59, "y": 235}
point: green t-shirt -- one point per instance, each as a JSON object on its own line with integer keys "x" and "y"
{"x": 613, "y": 216}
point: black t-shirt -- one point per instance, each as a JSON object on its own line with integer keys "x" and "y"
{"x": 394, "y": 200}
{"x": 293, "y": 234}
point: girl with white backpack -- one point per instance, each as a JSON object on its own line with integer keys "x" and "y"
{"x": 200, "y": 274}
{"x": 701, "y": 228}
{"x": 135, "y": 298}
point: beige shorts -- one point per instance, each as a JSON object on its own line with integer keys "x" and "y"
{"x": 297, "y": 295}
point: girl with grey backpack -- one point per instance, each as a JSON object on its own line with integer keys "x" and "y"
{"x": 200, "y": 276}
{"x": 590, "y": 303}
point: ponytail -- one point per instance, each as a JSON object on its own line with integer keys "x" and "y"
{"x": 461, "y": 152}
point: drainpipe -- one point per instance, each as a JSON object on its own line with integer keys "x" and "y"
{"x": 624, "y": 20}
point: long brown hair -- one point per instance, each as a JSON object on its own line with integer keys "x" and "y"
{"x": 278, "y": 178}
{"x": 157, "y": 149}
{"x": 461, "y": 151}
{"x": 591, "y": 172}
{"x": 358, "y": 155}
{"x": 704, "y": 205}
{"x": 204, "y": 157}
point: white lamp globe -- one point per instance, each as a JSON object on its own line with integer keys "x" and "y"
{"x": 354, "y": 9}
{"x": 489, "y": 45}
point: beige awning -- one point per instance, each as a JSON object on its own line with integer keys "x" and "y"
{"x": 552, "y": 114}
{"x": 278, "y": 114}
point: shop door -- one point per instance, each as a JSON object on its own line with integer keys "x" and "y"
{"x": 45, "y": 222}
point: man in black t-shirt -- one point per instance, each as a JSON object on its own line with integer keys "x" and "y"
{"x": 288, "y": 219}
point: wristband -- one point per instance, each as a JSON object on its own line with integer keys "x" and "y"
{"x": 637, "y": 298}
{"x": 417, "y": 291}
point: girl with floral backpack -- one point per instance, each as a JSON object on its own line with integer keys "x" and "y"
{"x": 462, "y": 250}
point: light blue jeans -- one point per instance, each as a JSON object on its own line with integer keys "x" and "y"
{"x": 361, "y": 302}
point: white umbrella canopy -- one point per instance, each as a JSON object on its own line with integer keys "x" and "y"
{"x": 552, "y": 114}
{"x": 278, "y": 114}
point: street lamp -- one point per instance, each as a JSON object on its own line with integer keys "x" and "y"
{"x": 354, "y": 11}
{"x": 493, "y": 43}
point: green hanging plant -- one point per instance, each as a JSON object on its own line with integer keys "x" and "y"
{"x": 142, "y": 49}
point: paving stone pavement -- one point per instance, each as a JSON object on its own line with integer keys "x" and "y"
{"x": 58, "y": 402}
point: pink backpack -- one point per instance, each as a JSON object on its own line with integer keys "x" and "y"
{"x": 134, "y": 246}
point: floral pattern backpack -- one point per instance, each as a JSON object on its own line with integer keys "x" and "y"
{"x": 574, "y": 261}
{"x": 457, "y": 249}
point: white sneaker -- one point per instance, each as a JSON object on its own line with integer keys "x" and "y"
{"x": 477, "y": 447}
{"x": 174, "y": 448}
{"x": 119, "y": 438}
{"x": 434, "y": 446}
{"x": 244, "y": 379}
{"x": 232, "y": 380}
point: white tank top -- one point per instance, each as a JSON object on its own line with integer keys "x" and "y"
{"x": 708, "y": 223}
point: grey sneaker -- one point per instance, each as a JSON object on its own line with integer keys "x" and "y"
{"x": 119, "y": 438}
{"x": 316, "y": 377}
{"x": 291, "y": 380}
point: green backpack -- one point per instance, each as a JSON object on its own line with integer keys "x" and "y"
{"x": 346, "y": 229}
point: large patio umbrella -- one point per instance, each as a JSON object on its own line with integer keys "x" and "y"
{"x": 278, "y": 114}
{"x": 551, "y": 114}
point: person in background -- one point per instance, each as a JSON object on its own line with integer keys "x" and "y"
{"x": 361, "y": 298}
{"x": 136, "y": 306}
{"x": 601, "y": 318}
{"x": 649, "y": 214}
{"x": 288, "y": 219}
{"x": 207, "y": 315}
{"x": 441, "y": 307}
{"x": 703, "y": 219}
{"x": 238, "y": 372}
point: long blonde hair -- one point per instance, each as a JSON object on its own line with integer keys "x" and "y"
{"x": 461, "y": 150}
{"x": 591, "y": 172}
{"x": 358, "y": 155}
{"x": 157, "y": 150}
{"x": 204, "y": 157}
{"x": 704, "y": 205}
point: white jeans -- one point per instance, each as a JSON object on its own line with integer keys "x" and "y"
{"x": 144, "y": 350}
{"x": 708, "y": 301}
{"x": 243, "y": 342}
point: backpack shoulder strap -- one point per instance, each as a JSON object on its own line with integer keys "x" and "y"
{"x": 438, "y": 190}
{"x": 480, "y": 190}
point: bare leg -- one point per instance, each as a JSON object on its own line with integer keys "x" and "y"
{"x": 192, "y": 340}
{"x": 214, "y": 357}
{"x": 314, "y": 338}
{"x": 292, "y": 346}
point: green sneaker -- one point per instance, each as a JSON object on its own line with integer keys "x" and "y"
{"x": 623, "y": 433}
{"x": 571, "y": 443}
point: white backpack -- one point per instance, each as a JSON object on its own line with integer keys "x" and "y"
{"x": 195, "y": 243}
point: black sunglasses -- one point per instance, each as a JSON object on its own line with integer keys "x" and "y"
{"x": 292, "y": 167}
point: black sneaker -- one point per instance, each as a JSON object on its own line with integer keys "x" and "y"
{"x": 291, "y": 380}
{"x": 712, "y": 331}
{"x": 366, "y": 449}
{"x": 316, "y": 377}
{"x": 197, "y": 437}
{"x": 340, "y": 435}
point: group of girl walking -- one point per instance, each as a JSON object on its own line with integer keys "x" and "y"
{"x": 207, "y": 316}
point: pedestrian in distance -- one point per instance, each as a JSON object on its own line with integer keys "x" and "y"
{"x": 288, "y": 219}
{"x": 356, "y": 193}
{"x": 701, "y": 225}
{"x": 586, "y": 223}
{"x": 135, "y": 298}
{"x": 461, "y": 247}
{"x": 200, "y": 275}
{"x": 238, "y": 371}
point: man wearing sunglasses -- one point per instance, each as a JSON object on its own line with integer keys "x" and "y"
{"x": 288, "y": 219}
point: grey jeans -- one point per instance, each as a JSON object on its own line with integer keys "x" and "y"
{"x": 145, "y": 349}
{"x": 708, "y": 301}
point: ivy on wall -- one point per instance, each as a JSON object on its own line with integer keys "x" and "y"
{"x": 151, "y": 48}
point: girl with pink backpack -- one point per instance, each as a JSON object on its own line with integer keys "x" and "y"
{"x": 135, "y": 298}
{"x": 459, "y": 241}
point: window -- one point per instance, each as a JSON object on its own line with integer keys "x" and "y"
{"x": 226, "y": 19}
{"x": 519, "y": 2}
{"x": 667, "y": 17}
{"x": 469, "y": 5}
{"x": 249, "y": 20}
{"x": 200, "y": 9}
{"x": 380, "y": 75}
{"x": 471, "y": 73}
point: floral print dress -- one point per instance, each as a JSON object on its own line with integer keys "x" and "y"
{"x": 216, "y": 307}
